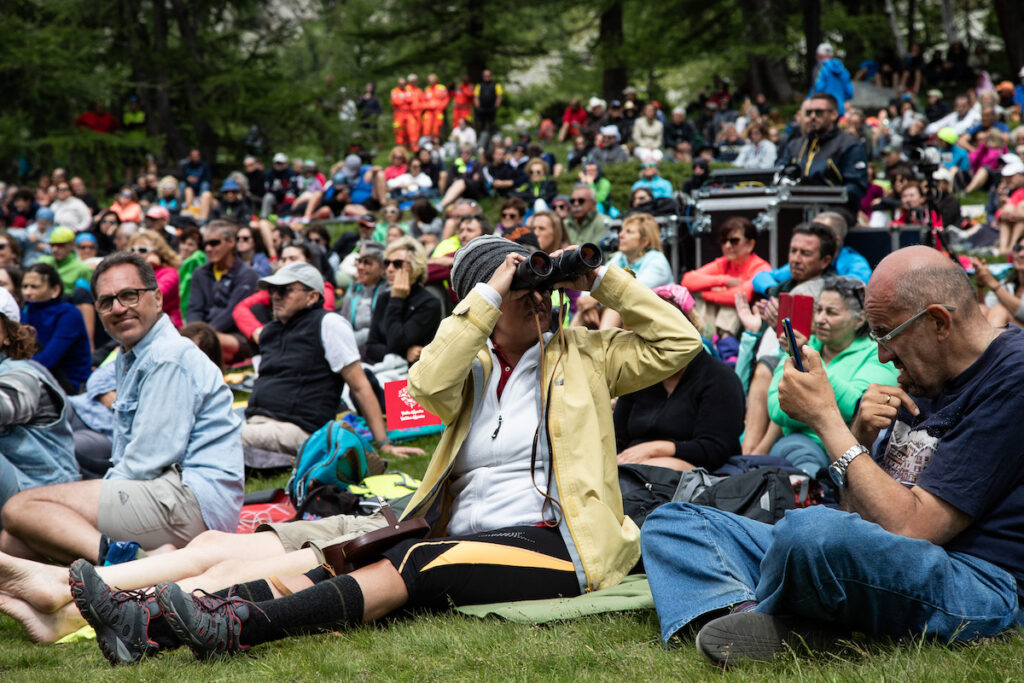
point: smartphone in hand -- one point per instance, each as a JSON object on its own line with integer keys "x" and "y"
{"x": 797, "y": 360}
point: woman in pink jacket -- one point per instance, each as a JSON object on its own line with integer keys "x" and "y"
{"x": 715, "y": 285}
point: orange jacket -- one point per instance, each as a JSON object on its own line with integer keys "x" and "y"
{"x": 435, "y": 98}
{"x": 415, "y": 99}
{"x": 400, "y": 100}
{"x": 464, "y": 96}
{"x": 718, "y": 273}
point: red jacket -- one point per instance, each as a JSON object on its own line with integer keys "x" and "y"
{"x": 464, "y": 96}
{"x": 718, "y": 273}
{"x": 247, "y": 323}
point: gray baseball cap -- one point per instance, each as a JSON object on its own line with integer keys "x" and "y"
{"x": 296, "y": 272}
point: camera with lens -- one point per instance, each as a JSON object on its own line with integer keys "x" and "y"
{"x": 540, "y": 272}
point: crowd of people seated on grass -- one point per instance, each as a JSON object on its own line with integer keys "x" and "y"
{"x": 117, "y": 325}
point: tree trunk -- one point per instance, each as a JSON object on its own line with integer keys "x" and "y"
{"x": 164, "y": 123}
{"x": 1011, "y": 22}
{"x": 948, "y": 24}
{"x": 812, "y": 36}
{"x": 897, "y": 38}
{"x": 767, "y": 73}
{"x": 188, "y": 26}
{"x": 614, "y": 77}
{"x": 476, "y": 55}
{"x": 911, "y": 11}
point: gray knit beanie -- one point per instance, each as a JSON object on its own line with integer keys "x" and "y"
{"x": 477, "y": 261}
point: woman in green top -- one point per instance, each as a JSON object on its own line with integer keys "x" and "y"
{"x": 190, "y": 249}
{"x": 851, "y": 362}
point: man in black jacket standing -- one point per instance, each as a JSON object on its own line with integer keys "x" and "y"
{"x": 307, "y": 356}
{"x": 826, "y": 155}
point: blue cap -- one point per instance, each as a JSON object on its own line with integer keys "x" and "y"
{"x": 44, "y": 214}
{"x": 230, "y": 184}
{"x": 85, "y": 237}
{"x": 340, "y": 178}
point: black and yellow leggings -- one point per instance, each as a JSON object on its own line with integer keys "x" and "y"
{"x": 515, "y": 563}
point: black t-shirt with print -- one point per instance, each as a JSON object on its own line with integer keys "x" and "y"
{"x": 966, "y": 448}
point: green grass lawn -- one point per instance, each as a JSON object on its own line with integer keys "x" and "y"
{"x": 619, "y": 647}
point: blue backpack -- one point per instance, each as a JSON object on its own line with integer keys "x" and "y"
{"x": 332, "y": 455}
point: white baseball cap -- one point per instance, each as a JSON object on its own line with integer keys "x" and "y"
{"x": 1013, "y": 168}
{"x": 8, "y": 306}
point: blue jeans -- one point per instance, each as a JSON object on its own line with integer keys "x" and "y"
{"x": 822, "y": 564}
{"x": 801, "y": 451}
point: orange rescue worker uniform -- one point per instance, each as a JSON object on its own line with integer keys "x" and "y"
{"x": 400, "y": 106}
{"x": 435, "y": 101}
{"x": 414, "y": 97}
{"x": 463, "y": 107}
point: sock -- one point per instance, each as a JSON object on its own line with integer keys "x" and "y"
{"x": 317, "y": 575}
{"x": 335, "y": 603}
{"x": 253, "y": 591}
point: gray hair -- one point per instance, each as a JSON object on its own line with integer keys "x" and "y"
{"x": 588, "y": 188}
{"x": 936, "y": 285}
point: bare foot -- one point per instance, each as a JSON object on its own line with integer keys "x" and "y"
{"x": 42, "y": 627}
{"x": 43, "y": 586}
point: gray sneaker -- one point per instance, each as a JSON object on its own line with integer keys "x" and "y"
{"x": 757, "y": 637}
{"x": 122, "y": 619}
{"x": 210, "y": 625}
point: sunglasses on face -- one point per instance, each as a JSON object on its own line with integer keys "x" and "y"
{"x": 509, "y": 214}
{"x": 577, "y": 201}
{"x": 84, "y": 246}
{"x": 245, "y": 238}
{"x": 560, "y": 207}
{"x": 212, "y": 244}
{"x": 1017, "y": 248}
{"x": 316, "y": 240}
{"x": 816, "y": 112}
{"x": 397, "y": 263}
{"x": 129, "y": 298}
{"x": 3, "y": 246}
{"x": 138, "y": 249}
{"x": 281, "y": 290}
{"x": 734, "y": 241}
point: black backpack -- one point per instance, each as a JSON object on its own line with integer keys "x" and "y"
{"x": 763, "y": 494}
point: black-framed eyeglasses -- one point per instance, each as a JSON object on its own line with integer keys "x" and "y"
{"x": 129, "y": 298}
{"x": 397, "y": 263}
{"x": 213, "y": 244}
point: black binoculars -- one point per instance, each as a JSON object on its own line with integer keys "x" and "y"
{"x": 540, "y": 272}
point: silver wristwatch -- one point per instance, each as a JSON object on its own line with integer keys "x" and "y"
{"x": 837, "y": 470}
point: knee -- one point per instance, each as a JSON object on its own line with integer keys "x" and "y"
{"x": 208, "y": 539}
{"x": 809, "y": 533}
{"x": 667, "y": 523}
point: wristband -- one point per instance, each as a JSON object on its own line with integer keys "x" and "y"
{"x": 384, "y": 442}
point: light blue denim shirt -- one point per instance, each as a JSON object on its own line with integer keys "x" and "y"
{"x": 173, "y": 407}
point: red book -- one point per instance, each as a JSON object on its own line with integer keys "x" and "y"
{"x": 799, "y": 308}
{"x": 402, "y": 411}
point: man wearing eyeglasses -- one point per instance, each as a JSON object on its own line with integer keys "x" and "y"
{"x": 584, "y": 223}
{"x": 931, "y": 467}
{"x": 219, "y": 286}
{"x": 177, "y": 457}
{"x": 826, "y": 155}
{"x": 307, "y": 355}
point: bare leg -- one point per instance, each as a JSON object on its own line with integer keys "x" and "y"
{"x": 45, "y": 586}
{"x": 756, "y": 421}
{"x": 458, "y": 186}
{"x": 56, "y": 521}
{"x": 979, "y": 179}
{"x": 229, "y": 572}
{"x": 383, "y": 589}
